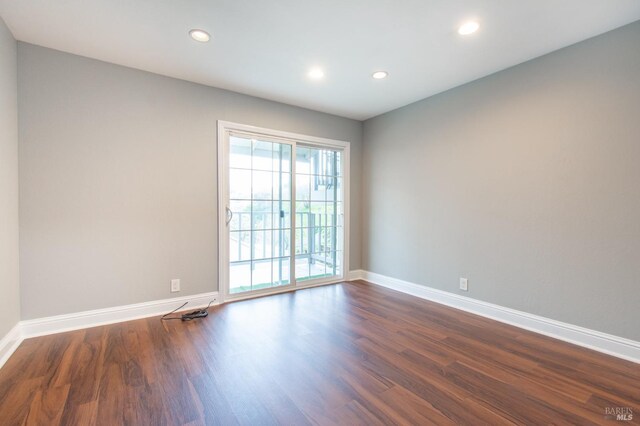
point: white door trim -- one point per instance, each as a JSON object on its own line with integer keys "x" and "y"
{"x": 225, "y": 127}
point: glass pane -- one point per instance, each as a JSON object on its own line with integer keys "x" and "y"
{"x": 281, "y": 215}
{"x": 328, "y": 161}
{"x": 332, "y": 262}
{"x": 280, "y": 269}
{"x": 261, "y": 244}
{"x": 303, "y": 207}
{"x": 318, "y": 207}
{"x": 331, "y": 219}
{"x": 317, "y": 240}
{"x": 235, "y": 244}
{"x": 302, "y": 187}
{"x": 339, "y": 238}
{"x": 282, "y": 157}
{"x": 340, "y": 216}
{"x": 302, "y": 215}
{"x": 319, "y": 214}
{"x": 302, "y": 268}
{"x": 240, "y": 153}
{"x": 318, "y": 266}
{"x": 285, "y": 180}
{"x": 303, "y": 160}
{"x": 281, "y": 243}
{"x": 260, "y": 199}
{"x": 239, "y": 245}
{"x": 260, "y": 274}
{"x": 317, "y": 191}
{"x": 302, "y": 241}
{"x": 261, "y": 215}
{"x": 241, "y": 218}
{"x": 262, "y": 155}
{"x": 330, "y": 239}
{"x": 281, "y": 186}
{"x": 286, "y": 270}
{"x": 261, "y": 186}
{"x": 339, "y": 255}
{"x": 239, "y": 277}
{"x": 239, "y": 184}
{"x": 276, "y": 272}
{"x": 331, "y": 189}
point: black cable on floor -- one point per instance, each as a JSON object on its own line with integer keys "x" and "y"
{"x": 164, "y": 317}
{"x": 200, "y": 313}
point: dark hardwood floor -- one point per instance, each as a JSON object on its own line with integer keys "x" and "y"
{"x": 342, "y": 354}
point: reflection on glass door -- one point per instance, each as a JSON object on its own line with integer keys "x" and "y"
{"x": 319, "y": 213}
{"x": 259, "y": 214}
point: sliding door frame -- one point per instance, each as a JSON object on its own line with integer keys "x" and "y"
{"x": 225, "y": 128}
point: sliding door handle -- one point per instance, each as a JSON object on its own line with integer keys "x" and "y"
{"x": 229, "y": 215}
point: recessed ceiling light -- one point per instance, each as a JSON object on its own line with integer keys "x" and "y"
{"x": 379, "y": 75}
{"x": 200, "y": 35}
{"x": 316, "y": 74}
{"x": 468, "y": 28}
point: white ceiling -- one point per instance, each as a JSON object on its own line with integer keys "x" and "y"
{"x": 265, "y": 47}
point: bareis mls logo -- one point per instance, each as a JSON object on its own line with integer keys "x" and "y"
{"x": 623, "y": 414}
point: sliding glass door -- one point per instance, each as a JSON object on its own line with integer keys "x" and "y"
{"x": 282, "y": 209}
{"x": 259, "y": 214}
{"x": 319, "y": 212}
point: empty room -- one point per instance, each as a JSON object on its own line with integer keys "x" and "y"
{"x": 285, "y": 212}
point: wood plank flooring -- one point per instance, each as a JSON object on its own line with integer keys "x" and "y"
{"x": 349, "y": 353}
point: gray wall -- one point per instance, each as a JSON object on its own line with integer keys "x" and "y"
{"x": 118, "y": 180}
{"x": 9, "y": 282}
{"x": 527, "y": 182}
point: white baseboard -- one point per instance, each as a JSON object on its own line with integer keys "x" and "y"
{"x": 86, "y": 319}
{"x": 355, "y": 275}
{"x": 75, "y": 321}
{"x": 9, "y": 343}
{"x": 598, "y": 341}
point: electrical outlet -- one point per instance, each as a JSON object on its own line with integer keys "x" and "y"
{"x": 175, "y": 285}
{"x": 464, "y": 284}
